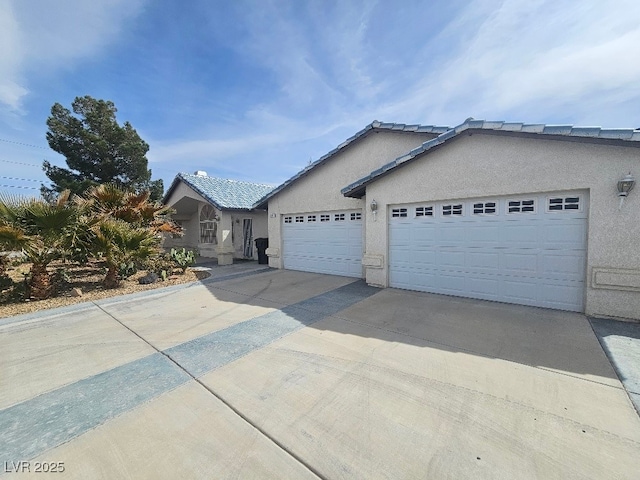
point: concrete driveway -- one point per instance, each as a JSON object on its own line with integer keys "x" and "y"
{"x": 279, "y": 374}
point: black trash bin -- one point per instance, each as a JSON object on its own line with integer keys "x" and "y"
{"x": 262, "y": 244}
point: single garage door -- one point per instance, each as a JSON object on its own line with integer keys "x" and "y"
{"x": 525, "y": 249}
{"x": 325, "y": 242}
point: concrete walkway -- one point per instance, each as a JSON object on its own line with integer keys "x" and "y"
{"x": 278, "y": 374}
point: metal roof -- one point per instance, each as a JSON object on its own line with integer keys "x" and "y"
{"x": 221, "y": 192}
{"x": 375, "y": 125}
{"x": 606, "y": 135}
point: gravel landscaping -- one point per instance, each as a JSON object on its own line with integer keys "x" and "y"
{"x": 86, "y": 281}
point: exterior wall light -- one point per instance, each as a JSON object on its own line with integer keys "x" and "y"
{"x": 374, "y": 209}
{"x": 625, "y": 186}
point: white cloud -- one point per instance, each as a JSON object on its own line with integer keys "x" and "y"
{"x": 40, "y": 34}
{"x": 11, "y": 92}
{"x": 338, "y": 68}
{"x": 534, "y": 55}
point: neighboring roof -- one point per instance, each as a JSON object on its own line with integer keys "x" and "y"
{"x": 221, "y": 192}
{"x": 568, "y": 132}
{"x": 373, "y": 126}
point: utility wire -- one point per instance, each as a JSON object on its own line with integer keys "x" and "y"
{"x": 24, "y": 179}
{"x": 21, "y": 163}
{"x": 23, "y": 144}
{"x": 16, "y": 186}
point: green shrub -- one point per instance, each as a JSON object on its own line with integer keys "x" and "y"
{"x": 161, "y": 265}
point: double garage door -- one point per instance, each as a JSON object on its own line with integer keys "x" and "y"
{"x": 528, "y": 250}
{"x": 324, "y": 242}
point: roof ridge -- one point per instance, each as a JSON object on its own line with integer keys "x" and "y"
{"x": 225, "y": 179}
{"x": 375, "y": 125}
{"x": 622, "y": 134}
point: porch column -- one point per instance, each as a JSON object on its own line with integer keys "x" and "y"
{"x": 224, "y": 249}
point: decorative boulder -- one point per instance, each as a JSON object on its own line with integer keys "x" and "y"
{"x": 149, "y": 278}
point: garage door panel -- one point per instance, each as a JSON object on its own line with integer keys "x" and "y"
{"x": 518, "y": 290}
{"x": 452, "y": 283}
{"x": 483, "y": 260}
{"x": 533, "y": 258}
{"x": 520, "y": 234}
{"x": 485, "y": 287}
{"x": 483, "y": 235}
{"x": 453, "y": 234}
{"x": 523, "y": 262}
{"x": 570, "y": 266}
{"x": 332, "y": 246}
{"x": 451, "y": 259}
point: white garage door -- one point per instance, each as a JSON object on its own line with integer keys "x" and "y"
{"x": 325, "y": 242}
{"x": 527, "y": 249}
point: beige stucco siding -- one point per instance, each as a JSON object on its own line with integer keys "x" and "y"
{"x": 319, "y": 191}
{"x": 483, "y": 165}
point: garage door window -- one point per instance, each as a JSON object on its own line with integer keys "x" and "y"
{"x": 325, "y": 218}
{"x": 521, "y": 206}
{"x": 557, "y": 204}
{"x": 338, "y": 217}
{"x": 424, "y": 211}
{"x": 399, "y": 212}
{"x": 448, "y": 210}
{"x": 311, "y": 218}
{"x": 484, "y": 208}
{"x": 300, "y": 219}
{"x": 356, "y": 216}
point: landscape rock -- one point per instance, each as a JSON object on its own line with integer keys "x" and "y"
{"x": 76, "y": 292}
{"x": 149, "y": 278}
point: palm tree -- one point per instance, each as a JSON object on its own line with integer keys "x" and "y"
{"x": 118, "y": 243}
{"x": 111, "y": 201}
{"x": 43, "y": 231}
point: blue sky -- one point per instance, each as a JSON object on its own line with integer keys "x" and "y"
{"x": 254, "y": 90}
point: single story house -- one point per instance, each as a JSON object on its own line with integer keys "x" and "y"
{"x": 520, "y": 213}
{"x": 217, "y": 216}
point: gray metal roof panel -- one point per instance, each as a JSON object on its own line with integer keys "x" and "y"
{"x": 557, "y": 130}
{"x": 512, "y": 127}
{"x": 618, "y": 133}
{"x": 533, "y": 128}
{"x": 586, "y": 131}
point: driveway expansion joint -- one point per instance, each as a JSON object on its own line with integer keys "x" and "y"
{"x": 57, "y": 417}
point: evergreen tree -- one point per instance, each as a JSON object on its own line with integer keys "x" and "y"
{"x": 97, "y": 150}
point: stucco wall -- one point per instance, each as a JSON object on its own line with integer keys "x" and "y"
{"x": 320, "y": 190}
{"x": 483, "y": 165}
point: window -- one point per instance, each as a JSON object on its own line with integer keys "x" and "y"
{"x": 311, "y": 218}
{"x": 521, "y": 206}
{"x": 424, "y": 211}
{"x": 399, "y": 212}
{"x": 448, "y": 210}
{"x": 300, "y": 219}
{"x": 325, "y": 218}
{"x": 288, "y": 219}
{"x": 356, "y": 216}
{"x": 563, "y": 203}
{"x": 338, "y": 217}
{"x": 484, "y": 207}
{"x": 208, "y": 225}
